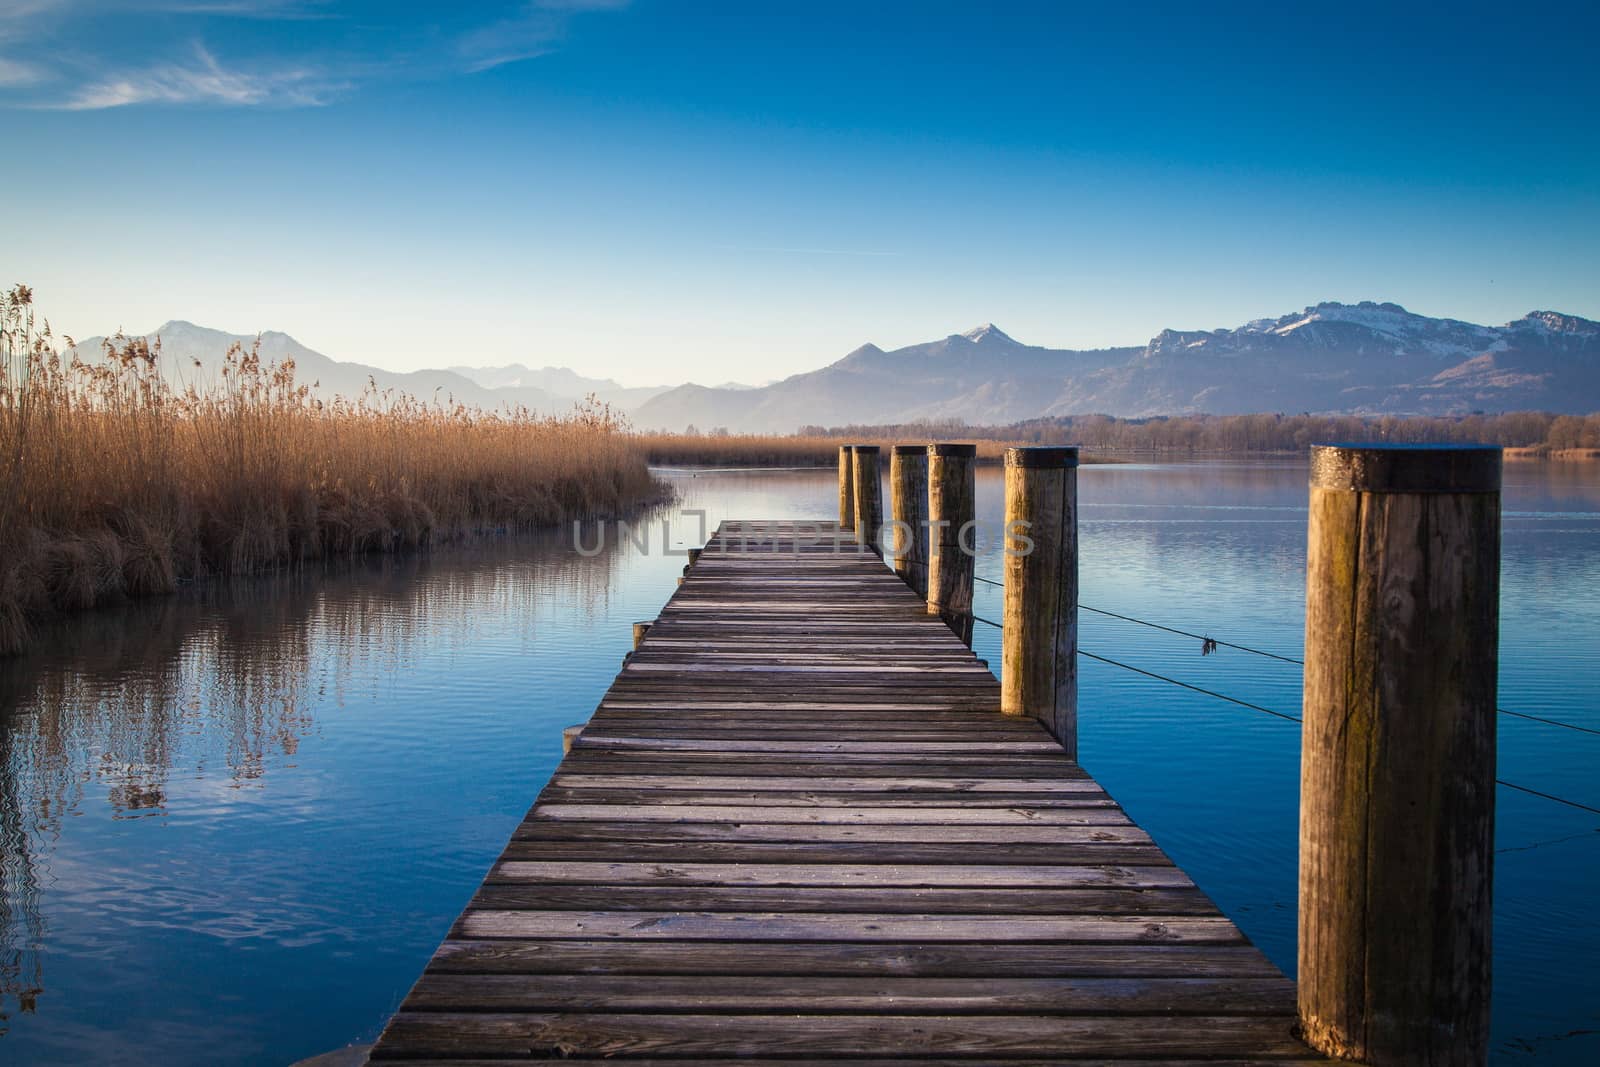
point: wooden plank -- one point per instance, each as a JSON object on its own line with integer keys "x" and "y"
{"x": 615, "y": 1034}
{"x": 1174, "y": 996}
{"x": 968, "y": 960}
{"x": 1049, "y": 900}
{"x": 804, "y": 926}
{"x": 870, "y": 874}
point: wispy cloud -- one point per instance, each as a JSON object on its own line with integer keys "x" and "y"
{"x": 204, "y": 81}
{"x": 244, "y": 9}
{"x": 14, "y": 73}
{"x": 528, "y": 33}
{"x": 69, "y": 70}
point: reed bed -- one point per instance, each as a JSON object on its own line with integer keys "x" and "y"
{"x": 114, "y": 482}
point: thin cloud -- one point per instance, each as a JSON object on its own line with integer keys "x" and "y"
{"x": 532, "y": 32}
{"x": 204, "y": 82}
{"x": 14, "y": 73}
{"x": 244, "y": 9}
{"x": 275, "y": 73}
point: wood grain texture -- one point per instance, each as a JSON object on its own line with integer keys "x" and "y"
{"x": 1039, "y": 657}
{"x": 952, "y": 504}
{"x": 869, "y": 497}
{"x": 847, "y": 488}
{"x": 798, "y": 829}
{"x": 1397, "y": 774}
{"x": 908, "y": 499}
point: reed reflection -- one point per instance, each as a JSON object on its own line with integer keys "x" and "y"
{"x": 224, "y": 683}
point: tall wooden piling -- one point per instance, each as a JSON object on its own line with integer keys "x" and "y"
{"x": 1039, "y": 658}
{"x": 952, "y": 504}
{"x": 908, "y": 506}
{"x": 847, "y": 487}
{"x": 1398, "y": 753}
{"x": 869, "y": 497}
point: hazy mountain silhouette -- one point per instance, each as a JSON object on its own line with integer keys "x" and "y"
{"x": 1367, "y": 357}
{"x": 193, "y": 354}
{"x": 560, "y": 382}
{"x": 1362, "y": 358}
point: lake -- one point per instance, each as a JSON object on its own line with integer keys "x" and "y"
{"x": 242, "y": 818}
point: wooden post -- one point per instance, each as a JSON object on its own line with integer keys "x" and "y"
{"x": 908, "y": 505}
{"x": 639, "y": 630}
{"x": 1039, "y": 657}
{"x": 847, "y": 487}
{"x": 869, "y": 497}
{"x": 1397, "y": 761}
{"x": 952, "y": 503}
{"x": 569, "y": 737}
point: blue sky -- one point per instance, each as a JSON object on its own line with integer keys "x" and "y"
{"x": 661, "y": 191}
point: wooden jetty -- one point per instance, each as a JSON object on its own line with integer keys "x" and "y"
{"x": 798, "y": 828}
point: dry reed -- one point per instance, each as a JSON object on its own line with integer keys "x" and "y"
{"x": 113, "y": 482}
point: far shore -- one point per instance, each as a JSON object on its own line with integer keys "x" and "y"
{"x": 1564, "y": 455}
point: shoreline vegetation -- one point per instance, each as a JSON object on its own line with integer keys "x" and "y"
{"x": 115, "y": 484}
{"x": 1525, "y": 435}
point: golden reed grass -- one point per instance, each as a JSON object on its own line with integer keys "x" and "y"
{"x": 115, "y": 483}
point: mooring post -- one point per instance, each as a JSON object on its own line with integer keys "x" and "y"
{"x": 639, "y": 630}
{"x": 1397, "y": 765}
{"x": 694, "y": 557}
{"x": 847, "y": 487}
{"x": 869, "y": 497}
{"x": 1039, "y": 642}
{"x": 952, "y": 503}
{"x": 908, "y": 505}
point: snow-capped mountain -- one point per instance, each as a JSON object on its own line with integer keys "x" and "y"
{"x": 1365, "y": 357}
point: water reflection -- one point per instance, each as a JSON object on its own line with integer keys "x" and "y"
{"x": 223, "y": 684}
{"x": 249, "y": 814}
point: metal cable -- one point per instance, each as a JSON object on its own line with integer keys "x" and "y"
{"x": 1213, "y": 642}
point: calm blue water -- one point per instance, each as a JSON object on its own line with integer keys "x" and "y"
{"x": 243, "y": 819}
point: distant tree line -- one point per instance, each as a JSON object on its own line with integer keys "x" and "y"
{"x": 1251, "y": 433}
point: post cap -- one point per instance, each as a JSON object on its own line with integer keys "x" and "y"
{"x": 865, "y": 448}
{"x": 1045, "y": 456}
{"x": 1387, "y": 468}
{"x": 909, "y": 450}
{"x": 944, "y": 448}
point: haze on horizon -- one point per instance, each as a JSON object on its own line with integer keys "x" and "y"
{"x": 664, "y": 192}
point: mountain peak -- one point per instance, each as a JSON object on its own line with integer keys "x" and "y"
{"x": 987, "y": 332}
{"x": 1555, "y": 322}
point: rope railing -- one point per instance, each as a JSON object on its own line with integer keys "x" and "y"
{"x": 1209, "y": 644}
{"x": 1213, "y": 642}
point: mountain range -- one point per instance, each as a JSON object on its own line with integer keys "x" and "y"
{"x": 1362, "y": 358}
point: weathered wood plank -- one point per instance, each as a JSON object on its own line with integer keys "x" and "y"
{"x": 1175, "y": 996}
{"x": 616, "y": 1034}
{"x": 1049, "y": 900}
{"x": 962, "y": 960}
{"x": 865, "y": 874}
